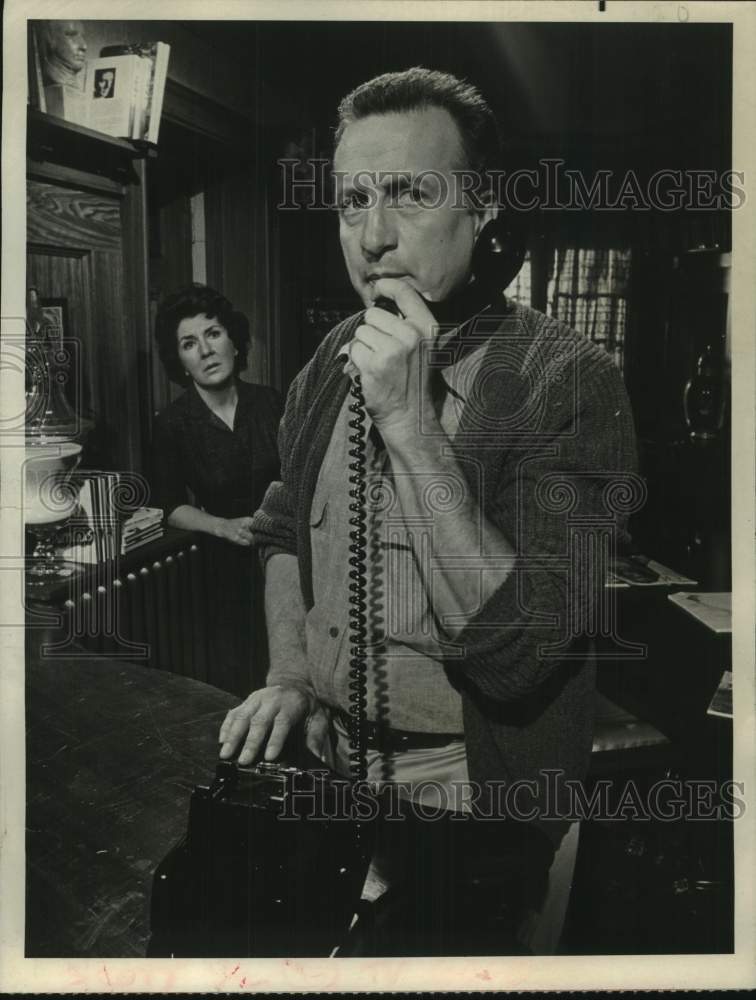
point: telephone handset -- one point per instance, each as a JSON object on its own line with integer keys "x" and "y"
{"x": 498, "y": 256}
{"x": 499, "y": 253}
{"x": 388, "y": 304}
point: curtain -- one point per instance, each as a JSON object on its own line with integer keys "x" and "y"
{"x": 588, "y": 290}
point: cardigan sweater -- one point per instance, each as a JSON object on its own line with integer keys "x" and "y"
{"x": 546, "y": 443}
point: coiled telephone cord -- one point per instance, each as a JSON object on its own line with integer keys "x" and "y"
{"x": 357, "y": 583}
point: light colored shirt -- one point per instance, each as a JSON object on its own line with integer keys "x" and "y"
{"x": 407, "y": 685}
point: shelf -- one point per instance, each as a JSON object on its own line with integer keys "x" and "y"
{"x": 52, "y": 139}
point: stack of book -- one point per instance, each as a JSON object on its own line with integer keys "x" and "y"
{"x": 97, "y": 513}
{"x": 101, "y": 528}
{"x": 143, "y": 526}
{"x": 125, "y": 89}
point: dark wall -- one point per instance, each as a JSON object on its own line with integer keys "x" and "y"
{"x": 639, "y": 97}
{"x": 618, "y": 97}
{"x": 630, "y": 97}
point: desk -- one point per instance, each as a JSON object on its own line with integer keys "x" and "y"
{"x": 113, "y": 752}
{"x": 672, "y": 684}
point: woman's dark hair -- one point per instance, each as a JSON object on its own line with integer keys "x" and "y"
{"x": 418, "y": 88}
{"x": 197, "y": 300}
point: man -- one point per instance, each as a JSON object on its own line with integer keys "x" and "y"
{"x": 104, "y": 80}
{"x": 478, "y": 681}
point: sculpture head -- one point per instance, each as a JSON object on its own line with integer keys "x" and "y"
{"x": 63, "y": 50}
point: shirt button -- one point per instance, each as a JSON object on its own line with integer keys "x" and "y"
{"x": 333, "y": 631}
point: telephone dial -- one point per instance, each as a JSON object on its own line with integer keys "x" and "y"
{"x": 275, "y": 854}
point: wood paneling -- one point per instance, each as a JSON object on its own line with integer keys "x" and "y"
{"x": 60, "y": 217}
{"x": 76, "y": 251}
{"x": 206, "y": 117}
{"x": 71, "y": 177}
{"x": 238, "y": 254}
{"x": 138, "y": 352}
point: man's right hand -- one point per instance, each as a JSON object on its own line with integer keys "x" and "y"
{"x": 266, "y": 718}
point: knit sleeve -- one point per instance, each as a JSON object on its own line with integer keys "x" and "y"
{"x": 274, "y": 525}
{"x": 274, "y": 522}
{"x": 563, "y": 503}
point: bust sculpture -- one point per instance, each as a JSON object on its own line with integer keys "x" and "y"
{"x": 63, "y": 49}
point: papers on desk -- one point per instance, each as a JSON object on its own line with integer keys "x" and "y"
{"x": 712, "y": 610}
{"x": 721, "y": 702}
{"x": 143, "y": 526}
{"x": 637, "y": 571}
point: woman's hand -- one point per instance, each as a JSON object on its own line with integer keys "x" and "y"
{"x": 267, "y": 717}
{"x": 235, "y": 529}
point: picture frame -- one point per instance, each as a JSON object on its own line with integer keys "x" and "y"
{"x": 55, "y": 318}
{"x": 35, "y": 87}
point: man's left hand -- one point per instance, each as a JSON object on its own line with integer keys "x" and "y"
{"x": 386, "y": 353}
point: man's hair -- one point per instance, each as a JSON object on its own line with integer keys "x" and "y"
{"x": 197, "y": 300}
{"x": 417, "y": 89}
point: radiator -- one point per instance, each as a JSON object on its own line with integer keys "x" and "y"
{"x": 151, "y": 613}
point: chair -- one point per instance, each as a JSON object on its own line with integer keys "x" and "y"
{"x": 621, "y": 741}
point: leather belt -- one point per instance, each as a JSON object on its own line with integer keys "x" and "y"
{"x": 385, "y": 740}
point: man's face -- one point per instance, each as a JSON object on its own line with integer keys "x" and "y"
{"x": 68, "y": 43}
{"x": 403, "y": 226}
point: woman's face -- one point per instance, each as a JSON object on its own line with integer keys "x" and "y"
{"x": 205, "y": 351}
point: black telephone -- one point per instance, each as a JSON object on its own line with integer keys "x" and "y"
{"x": 272, "y": 865}
{"x": 276, "y": 854}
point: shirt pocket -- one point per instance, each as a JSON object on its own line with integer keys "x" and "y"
{"x": 319, "y": 515}
{"x": 322, "y": 545}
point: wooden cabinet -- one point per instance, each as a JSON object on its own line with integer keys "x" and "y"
{"x": 112, "y": 227}
{"x": 86, "y": 245}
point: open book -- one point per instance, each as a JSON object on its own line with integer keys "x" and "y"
{"x": 125, "y": 89}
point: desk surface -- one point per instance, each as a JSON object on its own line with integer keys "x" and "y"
{"x": 714, "y": 611}
{"x": 113, "y": 752}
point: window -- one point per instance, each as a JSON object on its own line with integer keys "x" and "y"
{"x": 520, "y": 289}
{"x": 588, "y": 290}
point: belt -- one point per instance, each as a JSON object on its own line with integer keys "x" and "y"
{"x": 386, "y": 740}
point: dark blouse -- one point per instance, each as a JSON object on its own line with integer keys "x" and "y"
{"x": 227, "y": 471}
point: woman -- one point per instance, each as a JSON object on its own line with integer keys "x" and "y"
{"x": 214, "y": 455}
